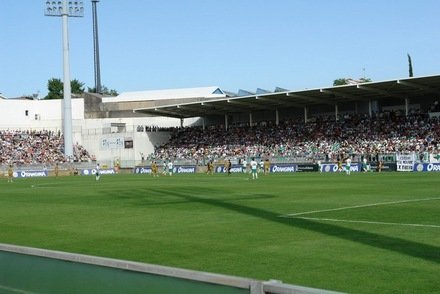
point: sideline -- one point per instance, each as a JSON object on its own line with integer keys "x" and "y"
{"x": 368, "y": 222}
{"x": 358, "y": 206}
{"x": 14, "y": 290}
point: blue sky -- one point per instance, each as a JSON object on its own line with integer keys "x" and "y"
{"x": 233, "y": 44}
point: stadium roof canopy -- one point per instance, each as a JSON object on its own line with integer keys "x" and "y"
{"x": 408, "y": 88}
{"x": 203, "y": 92}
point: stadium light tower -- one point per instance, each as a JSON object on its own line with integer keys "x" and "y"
{"x": 96, "y": 48}
{"x": 64, "y": 9}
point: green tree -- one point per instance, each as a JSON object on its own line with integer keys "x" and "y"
{"x": 365, "y": 80}
{"x": 55, "y": 88}
{"x": 346, "y": 81}
{"x": 77, "y": 87}
{"x": 340, "y": 82}
{"x": 410, "y": 66}
{"x": 104, "y": 91}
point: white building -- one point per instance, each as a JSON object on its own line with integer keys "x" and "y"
{"x": 106, "y": 126}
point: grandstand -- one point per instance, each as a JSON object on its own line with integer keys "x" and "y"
{"x": 126, "y": 128}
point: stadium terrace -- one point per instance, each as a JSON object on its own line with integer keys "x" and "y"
{"x": 195, "y": 125}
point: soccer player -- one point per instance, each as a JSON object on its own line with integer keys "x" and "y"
{"x": 210, "y": 167}
{"x": 170, "y": 168}
{"x": 266, "y": 166}
{"x": 319, "y": 166}
{"x": 10, "y": 173}
{"x": 347, "y": 166}
{"x": 97, "y": 172}
{"x": 340, "y": 169}
{"x": 254, "y": 166}
{"x": 57, "y": 169}
{"x": 380, "y": 166}
{"x": 164, "y": 167}
{"x": 364, "y": 165}
{"x": 261, "y": 166}
{"x": 154, "y": 169}
{"x": 244, "y": 165}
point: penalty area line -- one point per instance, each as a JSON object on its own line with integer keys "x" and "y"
{"x": 358, "y": 206}
{"x": 367, "y": 222}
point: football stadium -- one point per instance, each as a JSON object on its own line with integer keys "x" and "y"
{"x": 205, "y": 190}
{"x": 346, "y": 196}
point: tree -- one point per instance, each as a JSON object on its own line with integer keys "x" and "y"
{"x": 365, "y": 80}
{"x": 349, "y": 81}
{"x": 410, "y": 66}
{"x": 340, "y": 82}
{"x": 55, "y": 88}
{"x": 104, "y": 91}
{"x": 77, "y": 87}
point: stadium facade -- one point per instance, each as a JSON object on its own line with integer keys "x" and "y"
{"x": 126, "y": 127}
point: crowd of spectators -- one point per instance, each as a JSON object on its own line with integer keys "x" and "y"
{"x": 385, "y": 133}
{"x": 322, "y": 138}
{"x": 37, "y": 147}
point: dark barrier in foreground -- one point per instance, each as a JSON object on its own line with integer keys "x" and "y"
{"x": 31, "y": 270}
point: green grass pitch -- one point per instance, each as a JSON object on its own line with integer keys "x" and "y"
{"x": 364, "y": 233}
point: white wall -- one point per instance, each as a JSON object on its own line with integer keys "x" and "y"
{"x": 87, "y": 132}
{"x": 40, "y": 113}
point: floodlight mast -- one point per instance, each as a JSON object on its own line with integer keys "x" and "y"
{"x": 96, "y": 48}
{"x": 64, "y": 9}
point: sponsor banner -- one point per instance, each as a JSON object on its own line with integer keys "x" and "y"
{"x": 405, "y": 162}
{"x": 184, "y": 169}
{"x": 142, "y": 170}
{"x": 427, "y": 167}
{"x": 332, "y": 168}
{"x": 30, "y": 173}
{"x": 307, "y": 168}
{"x": 112, "y": 143}
{"x": 283, "y": 168}
{"x": 90, "y": 172}
{"x": 236, "y": 168}
{"x": 434, "y": 158}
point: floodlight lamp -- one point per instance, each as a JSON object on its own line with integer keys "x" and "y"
{"x": 51, "y": 8}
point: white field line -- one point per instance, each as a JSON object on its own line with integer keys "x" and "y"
{"x": 368, "y": 222}
{"x": 14, "y": 290}
{"x": 359, "y": 206}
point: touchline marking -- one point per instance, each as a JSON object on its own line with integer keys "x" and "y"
{"x": 367, "y": 222}
{"x": 359, "y": 206}
{"x": 14, "y": 290}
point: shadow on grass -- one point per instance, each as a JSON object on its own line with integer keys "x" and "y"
{"x": 427, "y": 252}
{"x": 157, "y": 197}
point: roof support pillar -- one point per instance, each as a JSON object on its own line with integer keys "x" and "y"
{"x": 406, "y": 106}
{"x": 250, "y": 120}
{"x": 226, "y": 122}
{"x": 277, "y": 117}
{"x": 336, "y": 112}
{"x": 203, "y": 123}
{"x": 306, "y": 111}
{"x": 181, "y": 122}
{"x": 356, "y": 108}
{"x": 370, "y": 114}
